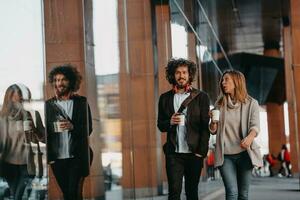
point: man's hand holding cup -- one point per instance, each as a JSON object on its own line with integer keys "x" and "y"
{"x": 63, "y": 125}
{"x": 178, "y": 119}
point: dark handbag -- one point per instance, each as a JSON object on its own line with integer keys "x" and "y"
{"x": 35, "y": 160}
{"x": 40, "y": 168}
{"x": 30, "y": 160}
{"x": 34, "y": 167}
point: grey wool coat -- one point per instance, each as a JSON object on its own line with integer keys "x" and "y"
{"x": 249, "y": 121}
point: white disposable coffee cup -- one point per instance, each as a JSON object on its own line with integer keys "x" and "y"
{"x": 57, "y": 128}
{"x": 27, "y": 125}
{"x": 215, "y": 115}
{"x": 182, "y": 120}
{"x": 19, "y": 125}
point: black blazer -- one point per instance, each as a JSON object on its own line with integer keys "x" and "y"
{"x": 196, "y": 124}
{"x": 82, "y": 122}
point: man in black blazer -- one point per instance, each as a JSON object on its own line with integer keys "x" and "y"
{"x": 69, "y": 124}
{"x": 187, "y": 128}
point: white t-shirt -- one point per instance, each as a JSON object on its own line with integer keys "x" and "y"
{"x": 182, "y": 146}
{"x": 64, "y": 138}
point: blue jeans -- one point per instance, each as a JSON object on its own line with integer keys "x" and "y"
{"x": 236, "y": 173}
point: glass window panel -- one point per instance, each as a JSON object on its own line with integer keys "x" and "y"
{"x": 106, "y": 39}
{"x": 22, "y": 63}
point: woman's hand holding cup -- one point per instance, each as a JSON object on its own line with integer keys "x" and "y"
{"x": 215, "y": 117}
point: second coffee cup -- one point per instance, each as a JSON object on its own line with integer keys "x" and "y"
{"x": 57, "y": 128}
{"x": 215, "y": 115}
{"x": 27, "y": 125}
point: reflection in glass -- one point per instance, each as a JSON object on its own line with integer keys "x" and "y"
{"x": 204, "y": 54}
{"x": 106, "y": 42}
{"x": 22, "y": 36}
{"x": 20, "y": 162}
{"x": 178, "y": 32}
{"x": 179, "y": 41}
{"x": 69, "y": 124}
{"x": 107, "y": 67}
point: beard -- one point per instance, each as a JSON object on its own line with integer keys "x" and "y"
{"x": 61, "y": 90}
{"x": 181, "y": 85}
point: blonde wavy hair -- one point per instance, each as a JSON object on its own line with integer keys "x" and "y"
{"x": 7, "y": 102}
{"x": 240, "y": 90}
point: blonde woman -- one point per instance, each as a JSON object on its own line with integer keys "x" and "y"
{"x": 236, "y": 150}
{"x": 14, "y": 153}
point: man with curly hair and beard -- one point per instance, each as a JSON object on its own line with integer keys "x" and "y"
{"x": 69, "y": 124}
{"x": 183, "y": 114}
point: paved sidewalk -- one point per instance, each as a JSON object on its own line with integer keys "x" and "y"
{"x": 207, "y": 190}
{"x": 262, "y": 188}
{"x": 268, "y": 188}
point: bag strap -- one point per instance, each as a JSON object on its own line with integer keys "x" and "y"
{"x": 39, "y": 148}
{"x": 188, "y": 100}
{"x": 60, "y": 111}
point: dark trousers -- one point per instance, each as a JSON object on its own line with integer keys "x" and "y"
{"x": 68, "y": 176}
{"x": 179, "y": 165}
{"x": 271, "y": 170}
{"x": 17, "y": 178}
{"x": 211, "y": 171}
{"x": 288, "y": 166}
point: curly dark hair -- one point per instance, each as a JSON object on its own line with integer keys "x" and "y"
{"x": 70, "y": 72}
{"x": 174, "y": 63}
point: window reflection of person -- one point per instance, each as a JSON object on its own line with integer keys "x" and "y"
{"x": 14, "y": 151}
{"x": 69, "y": 123}
{"x": 36, "y": 116}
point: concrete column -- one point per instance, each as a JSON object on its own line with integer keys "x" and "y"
{"x": 292, "y": 39}
{"x": 64, "y": 43}
{"x": 163, "y": 34}
{"x": 275, "y": 116}
{"x": 137, "y": 99}
{"x": 275, "y": 127}
{"x": 289, "y": 87}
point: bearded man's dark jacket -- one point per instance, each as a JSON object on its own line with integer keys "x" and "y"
{"x": 82, "y": 128}
{"x": 197, "y": 120}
